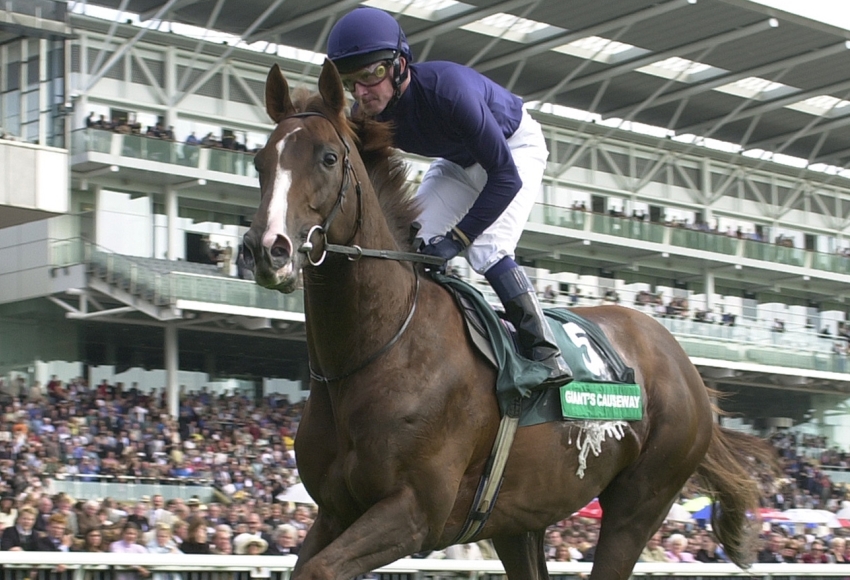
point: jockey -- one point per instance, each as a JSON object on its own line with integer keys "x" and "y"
{"x": 477, "y": 195}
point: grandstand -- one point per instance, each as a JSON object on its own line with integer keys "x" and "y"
{"x": 696, "y": 173}
{"x": 700, "y": 166}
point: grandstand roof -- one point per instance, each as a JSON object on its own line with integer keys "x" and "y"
{"x": 730, "y": 70}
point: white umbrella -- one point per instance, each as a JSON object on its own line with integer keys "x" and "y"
{"x": 812, "y": 516}
{"x": 679, "y": 514}
{"x": 843, "y": 513}
{"x": 297, "y": 494}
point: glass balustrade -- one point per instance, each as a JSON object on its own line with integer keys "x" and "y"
{"x": 161, "y": 151}
{"x": 774, "y": 253}
{"x": 627, "y": 228}
{"x": 553, "y": 215}
{"x": 743, "y": 343}
{"x": 831, "y": 263}
{"x": 698, "y": 240}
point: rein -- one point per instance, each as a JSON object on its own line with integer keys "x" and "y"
{"x": 355, "y": 252}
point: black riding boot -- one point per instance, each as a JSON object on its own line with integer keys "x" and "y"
{"x": 535, "y": 337}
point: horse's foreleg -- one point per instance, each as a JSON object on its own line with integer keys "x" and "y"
{"x": 321, "y": 534}
{"x": 522, "y": 555}
{"x": 391, "y": 529}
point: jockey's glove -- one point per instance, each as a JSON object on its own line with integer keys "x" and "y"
{"x": 446, "y": 247}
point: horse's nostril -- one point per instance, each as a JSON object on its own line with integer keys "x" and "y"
{"x": 279, "y": 252}
{"x": 248, "y": 257}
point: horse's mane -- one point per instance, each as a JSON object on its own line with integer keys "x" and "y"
{"x": 384, "y": 165}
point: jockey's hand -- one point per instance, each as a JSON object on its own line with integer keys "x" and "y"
{"x": 446, "y": 247}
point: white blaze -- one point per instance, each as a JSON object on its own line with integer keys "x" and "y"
{"x": 282, "y": 181}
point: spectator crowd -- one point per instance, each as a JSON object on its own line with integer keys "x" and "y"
{"x": 242, "y": 448}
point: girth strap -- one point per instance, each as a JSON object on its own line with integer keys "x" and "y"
{"x": 491, "y": 480}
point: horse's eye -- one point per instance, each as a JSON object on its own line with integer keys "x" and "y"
{"x": 329, "y": 159}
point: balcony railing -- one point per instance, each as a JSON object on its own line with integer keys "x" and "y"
{"x": 162, "y": 151}
{"x": 163, "y": 282}
{"x": 146, "y": 279}
{"x": 634, "y": 229}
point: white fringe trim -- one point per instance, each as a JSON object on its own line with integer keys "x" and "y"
{"x": 595, "y": 434}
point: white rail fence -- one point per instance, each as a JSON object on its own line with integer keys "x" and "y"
{"x": 97, "y": 566}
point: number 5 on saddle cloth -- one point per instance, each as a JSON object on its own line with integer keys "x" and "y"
{"x": 603, "y": 389}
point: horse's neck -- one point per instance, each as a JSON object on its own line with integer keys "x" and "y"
{"x": 354, "y": 308}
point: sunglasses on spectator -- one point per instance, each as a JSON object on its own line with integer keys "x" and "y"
{"x": 368, "y": 76}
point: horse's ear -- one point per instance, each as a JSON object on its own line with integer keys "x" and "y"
{"x": 278, "y": 102}
{"x": 330, "y": 87}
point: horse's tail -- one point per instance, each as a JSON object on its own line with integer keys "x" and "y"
{"x": 727, "y": 474}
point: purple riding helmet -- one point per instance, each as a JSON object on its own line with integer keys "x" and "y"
{"x": 365, "y": 36}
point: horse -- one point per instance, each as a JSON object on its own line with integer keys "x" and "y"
{"x": 402, "y": 413}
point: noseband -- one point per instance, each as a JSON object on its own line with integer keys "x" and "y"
{"x": 353, "y": 251}
{"x": 347, "y": 172}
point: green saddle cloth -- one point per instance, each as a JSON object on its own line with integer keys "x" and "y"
{"x": 591, "y": 358}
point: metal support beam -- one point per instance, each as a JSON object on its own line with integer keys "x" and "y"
{"x": 172, "y": 367}
{"x": 214, "y": 67}
{"x": 764, "y": 107}
{"x": 464, "y": 19}
{"x": 636, "y": 63}
{"x": 272, "y": 33}
{"x": 152, "y": 14}
{"x": 595, "y": 30}
{"x": 119, "y": 54}
{"x": 811, "y": 129}
{"x": 721, "y": 80}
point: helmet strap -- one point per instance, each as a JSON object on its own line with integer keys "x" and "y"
{"x": 397, "y": 80}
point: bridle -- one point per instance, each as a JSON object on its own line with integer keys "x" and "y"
{"x": 355, "y": 252}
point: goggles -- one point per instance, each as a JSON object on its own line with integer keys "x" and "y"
{"x": 368, "y": 76}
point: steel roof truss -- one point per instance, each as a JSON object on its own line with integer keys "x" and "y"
{"x": 742, "y": 113}
{"x": 748, "y": 183}
{"x": 659, "y": 164}
{"x": 320, "y": 42}
{"x": 547, "y": 95}
{"x": 211, "y": 19}
{"x": 119, "y": 54}
{"x": 235, "y": 74}
{"x": 572, "y": 158}
{"x": 110, "y": 34}
{"x": 811, "y": 128}
{"x": 273, "y": 33}
{"x": 597, "y": 29}
{"x": 495, "y": 40}
{"x": 817, "y": 196}
{"x": 802, "y": 188}
{"x": 152, "y": 13}
{"x": 693, "y": 190}
{"x": 683, "y": 49}
{"x": 674, "y": 118}
{"x": 453, "y": 23}
{"x": 657, "y": 96}
{"x": 721, "y": 80}
{"x": 160, "y": 93}
{"x": 214, "y": 68}
{"x": 429, "y": 44}
{"x": 515, "y": 75}
{"x": 619, "y": 176}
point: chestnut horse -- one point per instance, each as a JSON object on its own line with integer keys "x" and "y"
{"x": 402, "y": 413}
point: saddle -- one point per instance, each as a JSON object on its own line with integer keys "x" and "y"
{"x": 596, "y": 366}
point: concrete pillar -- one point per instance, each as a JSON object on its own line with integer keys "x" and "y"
{"x": 172, "y": 366}
{"x": 170, "y": 84}
{"x": 45, "y": 107}
{"x": 171, "y": 222}
{"x": 709, "y": 289}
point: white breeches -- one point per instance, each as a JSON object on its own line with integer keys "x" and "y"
{"x": 449, "y": 190}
